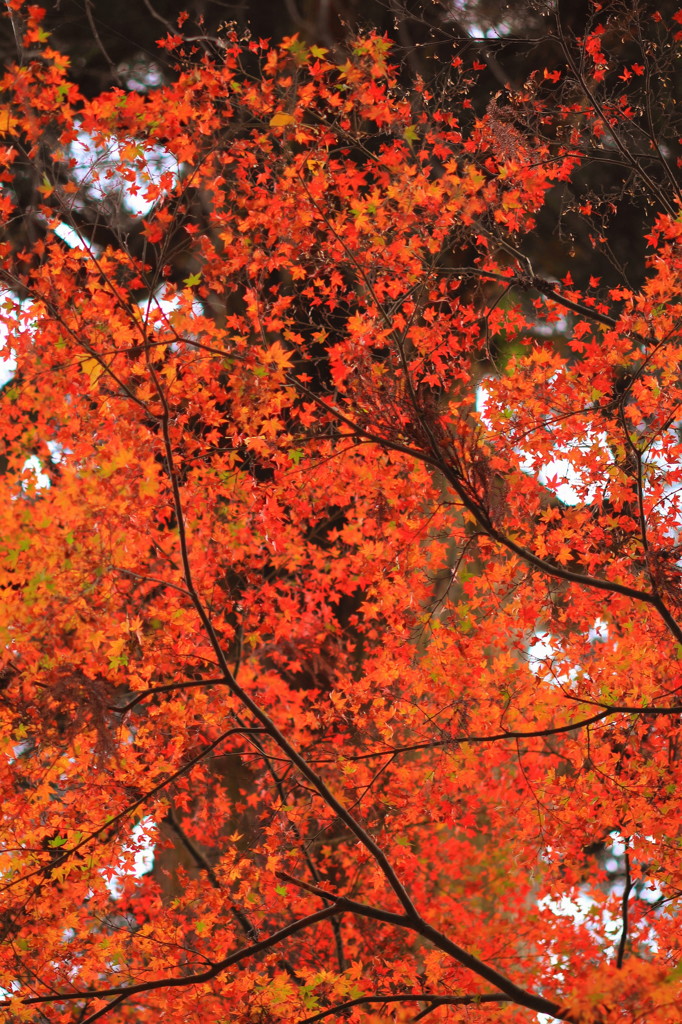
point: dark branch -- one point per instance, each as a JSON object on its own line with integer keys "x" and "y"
{"x": 241, "y": 694}
{"x": 104, "y": 1009}
{"x": 415, "y": 923}
{"x": 108, "y": 825}
{"x": 409, "y": 997}
{"x": 626, "y": 896}
{"x": 190, "y": 979}
{"x": 166, "y": 688}
{"x": 436, "y": 462}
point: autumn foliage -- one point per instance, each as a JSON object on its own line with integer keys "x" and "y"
{"x": 340, "y": 541}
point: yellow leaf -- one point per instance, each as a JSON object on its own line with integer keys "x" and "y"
{"x": 149, "y": 486}
{"x": 94, "y": 370}
{"x": 280, "y": 120}
{"x": 120, "y": 460}
{"x": 7, "y": 122}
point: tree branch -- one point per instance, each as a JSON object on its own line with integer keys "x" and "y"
{"x": 104, "y": 1009}
{"x": 165, "y": 688}
{"x": 409, "y": 997}
{"x": 241, "y": 694}
{"x": 190, "y": 979}
{"x": 626, "y": 896}
{"x": 511, "y": 735}
{"x": 108, "y": 825}
{"x": 437, "y": 462}
{"x": 415, "y": 923}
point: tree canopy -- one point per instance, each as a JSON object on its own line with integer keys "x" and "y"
{"x": 341, "y": 503}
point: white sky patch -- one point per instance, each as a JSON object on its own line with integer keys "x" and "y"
{"x": 142, "y": 844}
{"x": 74, "y": 239}
{"x": 581, "y": 909}
{"x": 157, "y": 309}
{"x": 8, "y": 364}
{"x": 546, "y": 661}
{"x": 496, "y": 30}
{"x": 554, "y": 328}
{"x": 144, "y": 847}
{"x": 599, "y": 632}
{"x": 5, "y": 993}
{"x": 141, "y": 76}
{"x": 655, "y": 457}
{"x": 8, "y": 367}
{"x": 544, "y": 652}
{"x": 540, "y": 652}
{"x": 35, "y": 466}
{"x": 600, "y": 921}
{"x": 94, "y": 162}
{"x": 558, "y": 474}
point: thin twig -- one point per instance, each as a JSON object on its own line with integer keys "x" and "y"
{"x": 608, "y": 126}
{"x": 166, "y": 688}
{"x": 105, "y": 53}
{"x": 511, "y": 735}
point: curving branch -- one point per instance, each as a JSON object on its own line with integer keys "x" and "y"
{"x": 141, "y": 695}
{"x": 628, "y": 157}
{"x": 414, "y": 922}
{"x": 434, "y": 999}
{"x": 435, "y": 460}
{"x": 104, "y": 1009}
{"x": 185, "y": 980}
{"x": 239, "y": 692}
{"x": 129, "y": 808}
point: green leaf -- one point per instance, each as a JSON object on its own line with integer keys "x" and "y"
{"x": 310, "y": 1001}
{"x": 298, "y": 49}
{"x": 193, "y": 280}
{"x": 674, "y": 975}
